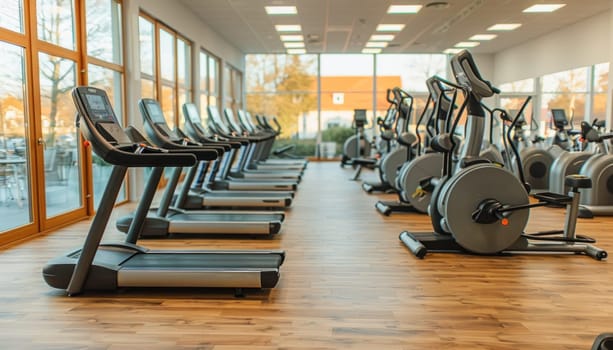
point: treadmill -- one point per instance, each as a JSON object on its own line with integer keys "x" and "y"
{"x": 111, "y": 266}
{"x": 218, "y": 125}
{"x": 161, "y": 135}
{"x": 259, "y": 149}
{"x": 244, "y": 118}
{"x": 165, "y": 221}
{"x": 219, "y": 176}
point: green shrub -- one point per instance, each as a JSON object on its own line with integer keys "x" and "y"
{"x": 337, "y": 134}
{"x": 303, "y": 148}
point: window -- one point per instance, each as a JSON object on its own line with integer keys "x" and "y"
{"x": 147, "y": 57}
{"x": 233, "y": 88}
{"x": 514, "y": 94}
{"x": 11, "y": 15}
{"x": 410, "y": 72}
{"x": 285, "y": 86}
{"x": 166, "y": 72}
{"x": 567, "y": 90}
{"x": 56, "y": 22}
{"x": 209, "y": 81}
{"x": 599, "y": 96}
{"x": 105, "y": 71}
{"x": 314, "y": 96}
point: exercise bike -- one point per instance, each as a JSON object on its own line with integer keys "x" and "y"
{"x": 484, "y": 208}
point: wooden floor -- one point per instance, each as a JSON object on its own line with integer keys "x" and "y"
{"x": 347, "y": 283}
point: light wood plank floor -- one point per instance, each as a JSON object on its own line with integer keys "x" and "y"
{"x": 347, "y": 283}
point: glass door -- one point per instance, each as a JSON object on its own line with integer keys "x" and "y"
{"x": 55, "y": 63}
{"x": 15, "y": 194}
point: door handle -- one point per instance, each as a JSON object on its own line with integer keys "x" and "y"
{"x": 42, "y": 142}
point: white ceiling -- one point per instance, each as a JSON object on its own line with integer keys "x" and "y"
{"x": 339, "y": 26}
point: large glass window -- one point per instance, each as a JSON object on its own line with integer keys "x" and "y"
{"x": 61, "y": 154}
{"x": 209, "y": 81}
{"x": 410, "y": 72}
{"x": 147, "y": 57}
{"x": 165, "y": 73}
{"x": 285, "y": 86}
{"x": 512, "y": 97}
{"x": 15, "y": 198}
{"x": 56, "y": 22}
{"x": 346, "y": 85}
{"x": 103, "y": 22}
{"x": 567, "y": 90}
{"x": 105, "y": 72}
{"x": 11, "y": 15}
{"x": 599, "y": 97}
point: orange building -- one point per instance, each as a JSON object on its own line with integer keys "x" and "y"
{"x": 340, "y": 95}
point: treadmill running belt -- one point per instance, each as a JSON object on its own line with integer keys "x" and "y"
{"x": 199, "y": 260}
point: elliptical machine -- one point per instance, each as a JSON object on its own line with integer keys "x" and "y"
{"x": 393, "y": 160}
{"x": 416, "y": 179}
{"x": 387, "y": 134}
{"x": 598, "y": 200}
{"x": 484, "y": 208}
{"x": 356, "y": 146}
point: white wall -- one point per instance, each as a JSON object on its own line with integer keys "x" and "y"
{"x": 178, "y": 17}
{"x": 578, "y": 45}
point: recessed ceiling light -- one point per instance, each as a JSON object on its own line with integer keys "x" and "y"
{"x": 292, "y": 38}
{"x": 483, "y": 37}
{"x": 288, "y": 27}
{"x": 293, "y": 45}
{"x": 505, "y": 26}
{"x": 404, "y": 9}
{"x": 544, "y": 8}
{"x": 376, "y": 44}
{"x": 381, "y": 37}
{"x": 467, "y": 44}
{"x": 371, "y": 50}
{"x": 390, "y": 27}
{"x": 452, "y": 51}
{"x": 281, "y": 10}
{"x": 296, "y": 51}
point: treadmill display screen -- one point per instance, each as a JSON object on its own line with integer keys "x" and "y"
{"x": 559, "y": 117}
{"x": 98, "y": 108}
{"x": 192, "y": 113}
{"x": 155, "y": 112}
{"x": 359, "y": 115}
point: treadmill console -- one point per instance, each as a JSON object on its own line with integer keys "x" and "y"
{"x": 242, "y": 116}
{"x": 216, "y": 120}
{"x": 231, "y": 120}
{"x": 99, "y": 110}
{"x": 192, "y": 118}
{"x": 156, "y": 115}
{"x": 359, "y": 118}
{"x": 559, "y": 118}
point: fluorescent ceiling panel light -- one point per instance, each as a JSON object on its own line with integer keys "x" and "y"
{"x": 397, "y": 9}
{"x": 376, "y": 44}
{"x": 452, "y": 51}
{"x": 505, "y": 26}
{"x": 292, "y": 38}
{"x": 543, "y": 8}
{"x": 371, "y": 50}
{"x": 293, "y": 45}
{"x": 381, "y": 37}
{"x": 390, "y": 27}
{"x": 467, "y": 44}
{"x": 288, "y": 27}
{"x": 483, "y": 37}
{"x": 281, "y": 10}
{"x": 296, "y": 51}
